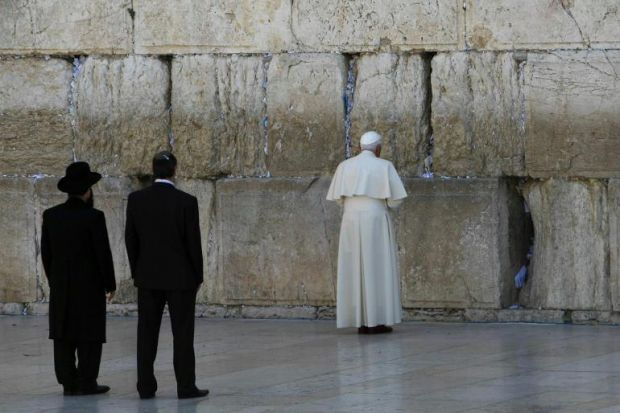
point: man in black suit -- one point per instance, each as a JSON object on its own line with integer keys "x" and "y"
{"x": 76, "y": 256}
{"x": 165, "y": 255}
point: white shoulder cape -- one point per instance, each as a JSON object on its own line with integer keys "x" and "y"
{"x": 366, "y": 175}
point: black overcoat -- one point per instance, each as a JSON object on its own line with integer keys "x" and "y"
{"x": 78, "y": 264}
{"x": 162, "y": 236}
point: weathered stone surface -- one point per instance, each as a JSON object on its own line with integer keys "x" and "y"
{"x": 277, "y": 242}
{"x": 18, "y": 277}
{"x": 569, "y": 269}
{"x": 306, "y": 113}
{"x": 530, "y": 316}
{"x": 593, "y": 317}
{"x": 452, "y": 315}
{"x": 476, "y": 115}
{"x": 369, "y": 25}
{"x": 34, "y": 115}
{"x": 122, "y": 310}
{"x": 326, "y": 313}
{"x": 122, "y": 113}
{"x": 573, "y": 115}
{"x": 300, "y": 312}
{"x": 204, "y": 191}
{"x": 217, "y": 117}
{"x": 110, "y": 197}
{"x": 614, "y": 241}
{"x": 460, "y": 243}
{"x": 218, "y": 311}
{"x": 65, "y": 27}
{"x": 390, "y": 97}
{"x": 40, "y": 309}
{"x": 222, "y": 26}
{"x": 11, "y": 309}
{"x": 536, "y": 24}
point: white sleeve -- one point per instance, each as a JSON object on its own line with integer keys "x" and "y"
{"x": 397, "y": 189}
{"x": 394, "y": 204}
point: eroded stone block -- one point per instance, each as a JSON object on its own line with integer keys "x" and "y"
{"x": 277, "y": 242}
{"x": 369, "y": 25}
{"x": 306, "y": 114}
{"x": 535, "y": 24}
{"x": 204, "y": 191}
{"x": 65, "y": 27}
{"x": 221, "y": 26}
{"x": 572, "y": 101}
{"x": 217, "y": 117}
{"x": 18, "y": 277}
{"x": 476, "y": 115}
{"x": 614, "y": 241}
{"x": 122, "y": 113}
{"x": 34, "y": 115}
{"x": 271, "y": 312}
{"x": 390, "y": 97}
{"x": 459, "y": 243}
{"x": 569, "y": 269}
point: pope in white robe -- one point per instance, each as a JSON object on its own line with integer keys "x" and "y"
{"x": 368, "y": 290}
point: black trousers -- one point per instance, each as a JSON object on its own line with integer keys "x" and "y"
{"x": 84, "y": 375}
{"x": 181, "y": 305}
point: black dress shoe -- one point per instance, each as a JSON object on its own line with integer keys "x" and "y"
{"x": 193, "y": 394}
{"x": 147, "y": 396}
{"x": 380, "y": 329}
{"x": 94, "y": 390}
{"x": 363, "y": 330}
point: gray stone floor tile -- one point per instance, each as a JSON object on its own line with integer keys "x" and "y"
{"x": 273, "y": 366}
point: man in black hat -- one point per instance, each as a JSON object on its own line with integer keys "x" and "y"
{"x": 78, "y": 264}
{"x": 162, "y": 236}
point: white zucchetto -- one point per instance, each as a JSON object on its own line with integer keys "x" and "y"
{"x": 370, "y": 138}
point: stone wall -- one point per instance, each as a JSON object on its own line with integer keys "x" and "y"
{"x": 485, "y": 106}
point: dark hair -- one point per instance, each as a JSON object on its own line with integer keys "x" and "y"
{"x": 164, "y": 165}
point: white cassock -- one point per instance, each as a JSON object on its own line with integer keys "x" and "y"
{"x": 368, "y": 278}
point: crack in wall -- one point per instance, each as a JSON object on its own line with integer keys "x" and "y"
{"x": 349, "y": 101}
{"x": 132, "y": 14}
{"x": 427, "y": 116}
{"x": 465, "y": 26}
{"x": 521, "y": 62}
{"x": 265, "y": 114}
{"x": 78, "y": 63}
{"x": 566, "y": 7}
{"x": 167, "y": 60}
{"x": 40, "y": 293}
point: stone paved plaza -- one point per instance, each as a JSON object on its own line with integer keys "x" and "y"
{"x": 260, "y": 366}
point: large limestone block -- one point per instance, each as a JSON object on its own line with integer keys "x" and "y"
{"x": 614, "y": 241}
{"x": 221, "y": 26}
{"x": 569, "y": 269}
{"x": 306, "y": 113}
{"x": 34, "y": 115}
{"x": 110, "y": 196}
{"x": 390, "y": 97}
{"x": 217, "y": 117}
{"x": 122, "y": 113}
{"x": 369, "y": 25}
{"x": 277, "y": 242}
{"x": 537, "y": 24}
{"x": 65, "y": 27}
{"x": 204, "y": 191}
{"x": 461, "y": 241}
{"x": 18, "y": 279}
{"x": 573, "y": 114}
{"x": 476, "y": 115}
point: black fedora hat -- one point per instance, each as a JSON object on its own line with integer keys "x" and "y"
{"x": 78, "y": 178}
